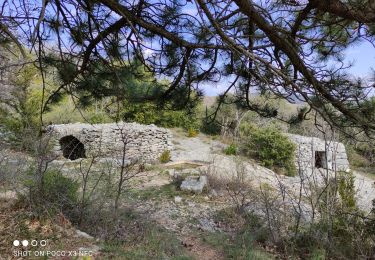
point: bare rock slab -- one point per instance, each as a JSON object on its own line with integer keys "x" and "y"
{"x": 194, "y": 184}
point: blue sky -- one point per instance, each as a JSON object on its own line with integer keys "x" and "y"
{"x": 361, "y": 55}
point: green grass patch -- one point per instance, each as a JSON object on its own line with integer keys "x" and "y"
{"x": 241, "y": 246}
{"x": 165, "y": 156}
{"x": 231, "y": 149}
{"x": 155, "y": 243}
{"x": 191, "y": 132}
{"x": 244, "y": 244}
{"x": 165, "y": 191}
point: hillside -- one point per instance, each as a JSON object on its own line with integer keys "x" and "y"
{"x": 176, "y": 130}
{"x": 196, "y": 222}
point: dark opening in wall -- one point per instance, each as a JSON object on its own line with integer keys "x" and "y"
{"x": 320, "y": 159}
{"x": 72, "y": 148}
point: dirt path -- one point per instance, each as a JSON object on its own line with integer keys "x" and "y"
{"x": 200, "y": 148}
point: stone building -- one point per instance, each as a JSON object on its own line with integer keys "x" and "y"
{"x": 144, "y": 142}
{"x": 312, "y": 153}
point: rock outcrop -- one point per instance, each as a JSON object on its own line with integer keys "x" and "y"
{"x": 194, "y": 184}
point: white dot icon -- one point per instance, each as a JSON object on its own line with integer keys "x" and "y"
{"x": 16, "y": 243}
{"x": 25, "y": 243}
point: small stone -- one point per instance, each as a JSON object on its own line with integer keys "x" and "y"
{"x": 177, "y": 199}
{"x": 194, "y": 184}
{"x": 92, "y": 249}
{"x": 80, "y": 233}
{"x": 206, "y": 225}
{"x": 213, "y": 193}
{"x": 191, "y": 204}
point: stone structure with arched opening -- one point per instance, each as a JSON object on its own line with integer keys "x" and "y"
{"x": 145, "y": 142}
{"x": 72, "y": 148}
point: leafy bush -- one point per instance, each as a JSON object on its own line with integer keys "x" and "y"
{"x": 232, "y": 149}
{"x": 22, "y": 121}
{"x": 244, "y": 243}
{"x": 347, "y": 190}
{"x": 367, "y": 150}
{"x": 59, "y": 190}
{"x": 134, "y": 237}
{"x": 346, "y": 235}
{"x": 165, "y": 156}
{"x": 56, "y": 192}
{"x": 98, "y": 118}
{"x": 273, "y": 149}
{"x": 210, "y": 127}
{"x": 356, "y": 159}
{"x": 192, "y": 132}
{"x": 149, "y": 113}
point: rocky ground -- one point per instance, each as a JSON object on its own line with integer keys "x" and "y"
{"x": 191, "y": 215}
{"x": 196, "y": 212}
{"x": 210, "y": 151}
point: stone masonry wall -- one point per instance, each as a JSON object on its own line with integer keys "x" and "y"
{"x": 335, "y": 153}
{"x": 144, "y": 142}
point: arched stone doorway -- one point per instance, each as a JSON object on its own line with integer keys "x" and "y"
{"x": 72, "y": 148}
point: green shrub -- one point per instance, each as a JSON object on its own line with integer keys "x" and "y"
{"x": 192, "y": 132}
{"x": 22, "y": 126}
{"x": 149, "y": 113}
{"x": 98, "y": 118}
{"x": 347, "y": 190}
{"x": 367, "y": 150}
{"x": 165, "y": 156}
{"x": 231, "y": 149}
{"x": 242, "y": 245}
{"x": 273, "y": 149}
{"x": 149, "y": 242}
{"x": 356, "y": 159}
{"x": 55, "y": 193}
{"x": 210, "y": 127}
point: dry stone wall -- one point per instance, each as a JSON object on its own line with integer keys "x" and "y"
{"x": 312, "y": 152}
{"x": 144, "y": 142}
